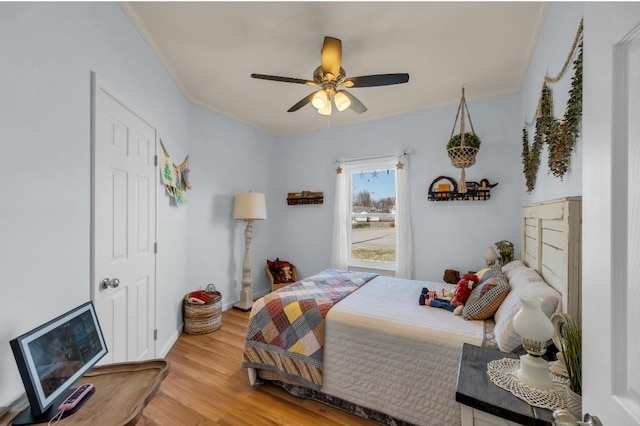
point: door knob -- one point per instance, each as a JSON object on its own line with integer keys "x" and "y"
{"x": 106, "y": 283}
{"x": 566, "y": 418}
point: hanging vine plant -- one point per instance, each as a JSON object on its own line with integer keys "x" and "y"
{"x": 531, "y": 156}
{"x": 564, "y": 133}
{"x": 560, "y": 134}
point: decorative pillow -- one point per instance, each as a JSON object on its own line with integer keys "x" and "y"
{"x": 486, "y": 298}
{"x": 482, "y": 271}
{"x": 488, "y": 273}
{"x": 524, "y": 283}
{"x": 281, "y": 270}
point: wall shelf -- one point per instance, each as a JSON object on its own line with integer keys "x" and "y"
{"x": 304, "y": 197}
{"x": 476, "y": 191}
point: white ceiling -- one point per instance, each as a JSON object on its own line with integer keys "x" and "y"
{"x": 211, "y": 49}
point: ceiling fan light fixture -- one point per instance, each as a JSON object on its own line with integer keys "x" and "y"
{"x": 320, "y": 100}
{"x": 326, "y": 110}
{"x": 342, "y": 101}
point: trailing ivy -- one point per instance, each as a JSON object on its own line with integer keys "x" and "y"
{"x": 531, "y": 157}
{"x": 559, "y": 134}
{"x": 526, "y": 161}
{"x": 563, "y": 135}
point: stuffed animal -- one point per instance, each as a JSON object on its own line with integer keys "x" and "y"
{"x": 451, "y": 276}
{"x": 463, "y": 289}
{"x": 286, "y": 273}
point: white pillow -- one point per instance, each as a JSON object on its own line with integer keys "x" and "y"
{"x": 513, "y": 268}
{"x": 525, "y": 283}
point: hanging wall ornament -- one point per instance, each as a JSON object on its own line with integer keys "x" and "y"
{"x": 560, "y": 134}
{"x": 563, "y": 134}
{"x": 531, "y": 157}
{"x": 175, "y": 178}
{"x": 462, "y": 148}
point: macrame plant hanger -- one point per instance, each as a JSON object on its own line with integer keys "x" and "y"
{"x": 462, "y": 156}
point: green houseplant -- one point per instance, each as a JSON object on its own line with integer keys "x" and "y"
{"x": 572, "y": 353}
{"x": 470, "y": 139}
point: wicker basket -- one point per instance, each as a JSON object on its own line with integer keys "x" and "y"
{"x": 462, "y": 156}
{"x": 205, "y": 318}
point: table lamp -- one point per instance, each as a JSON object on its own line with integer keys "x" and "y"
{"x": 248, "y": 206}
{"x": 536, "y": 330}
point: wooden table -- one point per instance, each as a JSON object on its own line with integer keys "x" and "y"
{"x": 122, "y": 392}
{"x": 479, "y": 395}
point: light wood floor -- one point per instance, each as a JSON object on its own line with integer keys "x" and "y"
{"x": 207, "y": 386}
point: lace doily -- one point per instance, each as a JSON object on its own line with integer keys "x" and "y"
{"x": 503, "y": 373}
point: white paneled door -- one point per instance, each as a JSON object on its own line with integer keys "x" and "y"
{"x": 123, "y": 228}
{"x": 611, "y": 212}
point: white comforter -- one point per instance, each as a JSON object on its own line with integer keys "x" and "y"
{"x": 386, "y": 352}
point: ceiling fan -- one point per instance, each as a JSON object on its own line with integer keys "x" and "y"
{"x": 332, "y": 79}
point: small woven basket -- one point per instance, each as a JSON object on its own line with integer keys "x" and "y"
{"x": 462, "y": 156}
{"x": 203, "y": 318}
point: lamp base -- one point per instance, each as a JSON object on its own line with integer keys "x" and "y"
{"x": 242, "y": 308}
{"x": 534, "y": 372}
{"x": 246, "y": 299}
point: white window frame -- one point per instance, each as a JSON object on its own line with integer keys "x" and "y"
{"x": 356, "y": 167}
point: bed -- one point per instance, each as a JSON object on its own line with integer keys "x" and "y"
{"x": 381, "y": 355}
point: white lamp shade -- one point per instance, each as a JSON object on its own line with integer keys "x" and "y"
{"x": 320, "y": 99}
{"x": 342, "y": 100}
{"x": 326, "y": 110}
{"x": 531, "y": 323}
{"x": 250, "y": 206}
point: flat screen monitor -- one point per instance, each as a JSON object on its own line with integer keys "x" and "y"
{"x": 53, "y": 356}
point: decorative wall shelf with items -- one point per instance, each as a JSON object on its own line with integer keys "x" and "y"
{"x": 444, "y": 188}
{"x": 304, "y": 197}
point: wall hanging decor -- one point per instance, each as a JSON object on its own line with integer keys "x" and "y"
{"x": 445, "y": 188}
{"x": 544, "y": 120}
{"x": 560, "y": 134}
{"x": 304, "y": 197}
{"x": 175, "y": 178}
{"x": 564, "y": 132}
{"x": 462, "y": 148}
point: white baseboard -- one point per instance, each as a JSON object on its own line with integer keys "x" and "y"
{"x": 172, "y": 341}
{"x": 257, "y": 295}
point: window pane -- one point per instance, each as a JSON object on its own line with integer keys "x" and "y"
{"x": 373, "y": 234}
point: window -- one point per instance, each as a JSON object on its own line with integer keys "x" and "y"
{"x": 372, "y": 191}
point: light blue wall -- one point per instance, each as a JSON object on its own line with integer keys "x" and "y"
{"x": 554, "y": 44}
{"x": 226, "y": 158}
{"x": 48, "y": 51}
{"x": 447, "y": 235}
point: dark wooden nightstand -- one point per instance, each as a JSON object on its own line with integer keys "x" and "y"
{"x": 484, "y": 403}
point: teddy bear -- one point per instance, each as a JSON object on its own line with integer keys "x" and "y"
{"x": 451, "y": 276}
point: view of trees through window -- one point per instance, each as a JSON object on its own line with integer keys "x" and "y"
{"x": 373, "y": 215}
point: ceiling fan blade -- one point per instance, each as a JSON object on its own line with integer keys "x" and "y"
{"x": 356, "y": 105}
{"x": 331, "y": 56}
{"x": 284, "y": 79}
{"x": 376, "y": 80}
{"x": 307, "y": 99}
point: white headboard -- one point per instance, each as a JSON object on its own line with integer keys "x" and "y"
{"x": 551, "y": 245}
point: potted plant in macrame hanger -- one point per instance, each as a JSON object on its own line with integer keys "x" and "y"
{"x": 463, "y": 147}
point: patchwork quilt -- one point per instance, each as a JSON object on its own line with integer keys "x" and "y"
{"x": 287, "y": 327}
